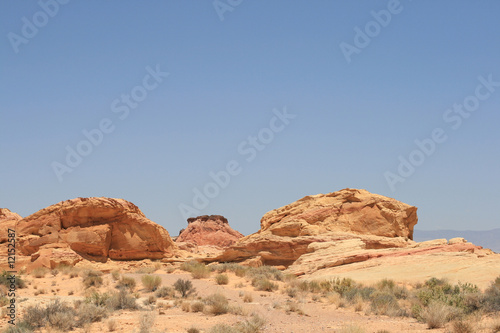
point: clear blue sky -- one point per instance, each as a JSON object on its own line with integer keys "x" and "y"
{"x": 353, "y": 120}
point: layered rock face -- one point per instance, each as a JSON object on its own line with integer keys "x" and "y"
{"x": 8, "y": 220}
{"x": 349, "y": 210}
{"x": 287, "y": 232}
{"x": 94, "y": 228}
{"x": 209, "y": 230}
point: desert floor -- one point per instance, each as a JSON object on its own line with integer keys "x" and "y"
{"x": 308, "y": 313}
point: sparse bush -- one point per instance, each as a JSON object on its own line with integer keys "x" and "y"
{"x": 185, "y": 287}
{"x": 197, "y": 270}
{"x": 436, "y": 315}
{"x": 186, "y": 306}
{"x": 97, "y": 299}
{"x": 20, "y": 327}
{"x": 193, "y": 330}
{"x": 221, "y": 279}
{"x": 56, "y": 314}
{"x": 217, "y": 304}
{"x": 341, "y": 286}
{"x": 90, "y": 313}
{"x": 6, "y": 280}
{"x": 151, "y": 282}
{"x": 146, "y": 322}
{"x": 165, "y": 292}
{"x": 460, "y": 326}
{"x": 122, "y": 300}
{"x": 150, "y": 300}
{"x": 252, "y": 325}
{"x": 247, "y": 297}
{"x": 291, "y": 292}
{"x": 35, "y": 316}
{"x": 197, "y": 306}
{"x": 492, "y": 296}
{"x": 384, "y": 303}
{"x": 92, "y": 278}
{"x": 222, "y": 328}
{"x": 39, "y": 272}
{"x": 240, "y": 271}
{"x": 126, "y": 282}
{"x": 111, "y": 324}
{"x": 293, "y": 307}
{"x": 264, "y": 284}
{"x": 200, "y": 272}
{"x": 268, "y": 272}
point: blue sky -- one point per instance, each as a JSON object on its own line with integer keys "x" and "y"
{"x": 351, "y": 123}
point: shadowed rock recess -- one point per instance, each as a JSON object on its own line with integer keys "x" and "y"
{"x": 209, "y": 230}
{"x": 92, "y": 228}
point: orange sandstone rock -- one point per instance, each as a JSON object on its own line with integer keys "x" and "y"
{"x": 96, "y": 229}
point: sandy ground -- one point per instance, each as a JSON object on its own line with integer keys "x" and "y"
{"x": 319, "y": 315}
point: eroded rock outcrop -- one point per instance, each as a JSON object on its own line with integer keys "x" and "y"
{"x": 209, "y": 230}
{"x": 8, "y": 221}
{"x": 94, "y": 228}
{"x": 287, "y": 232}
{"x": 349, "y": 210}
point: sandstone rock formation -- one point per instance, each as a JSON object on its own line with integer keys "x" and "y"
{"x": 286, "y": 232}
{"x": 209, "y": 230}
{"x": 94, "y": 228}
{"x": 348, "y": 210}
{"x": 8, "y": 220}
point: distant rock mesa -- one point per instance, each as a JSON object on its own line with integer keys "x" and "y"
{"x": 209, "y": 230}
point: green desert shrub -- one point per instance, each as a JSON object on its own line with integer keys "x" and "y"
{"x": 97, "y": 299}
{"x": 165, "y": 292}
{"x": 197, "y": 306}
{"x": 146, "y": 321}
{"x": 92, "y": 278}
{"x": 151, "y": 282}
{"x": 437, "y": 314}
{"x": 122, "y": 300}
{"x": 88, "y": 313}
{"x": 269, "y": 272}
{"x": 492, "y": 296}
{"x": 221, "y": 279}
{"x": 6, "y": 280}
{"x": 20, "y": 327}
{"x": 338, "y": 285}
{"x": 252, "y": 325}
{"x": 56, "y": 315}
{"x": 385, "y": 303}
{"x": 217, "y": 304}
{"x": 460, "y": 326}
{"x": 184, "y": 287}
{"x": 126, "y": 282}
{"x": 264, "y": 284}
{"x": 197, "y": 270}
